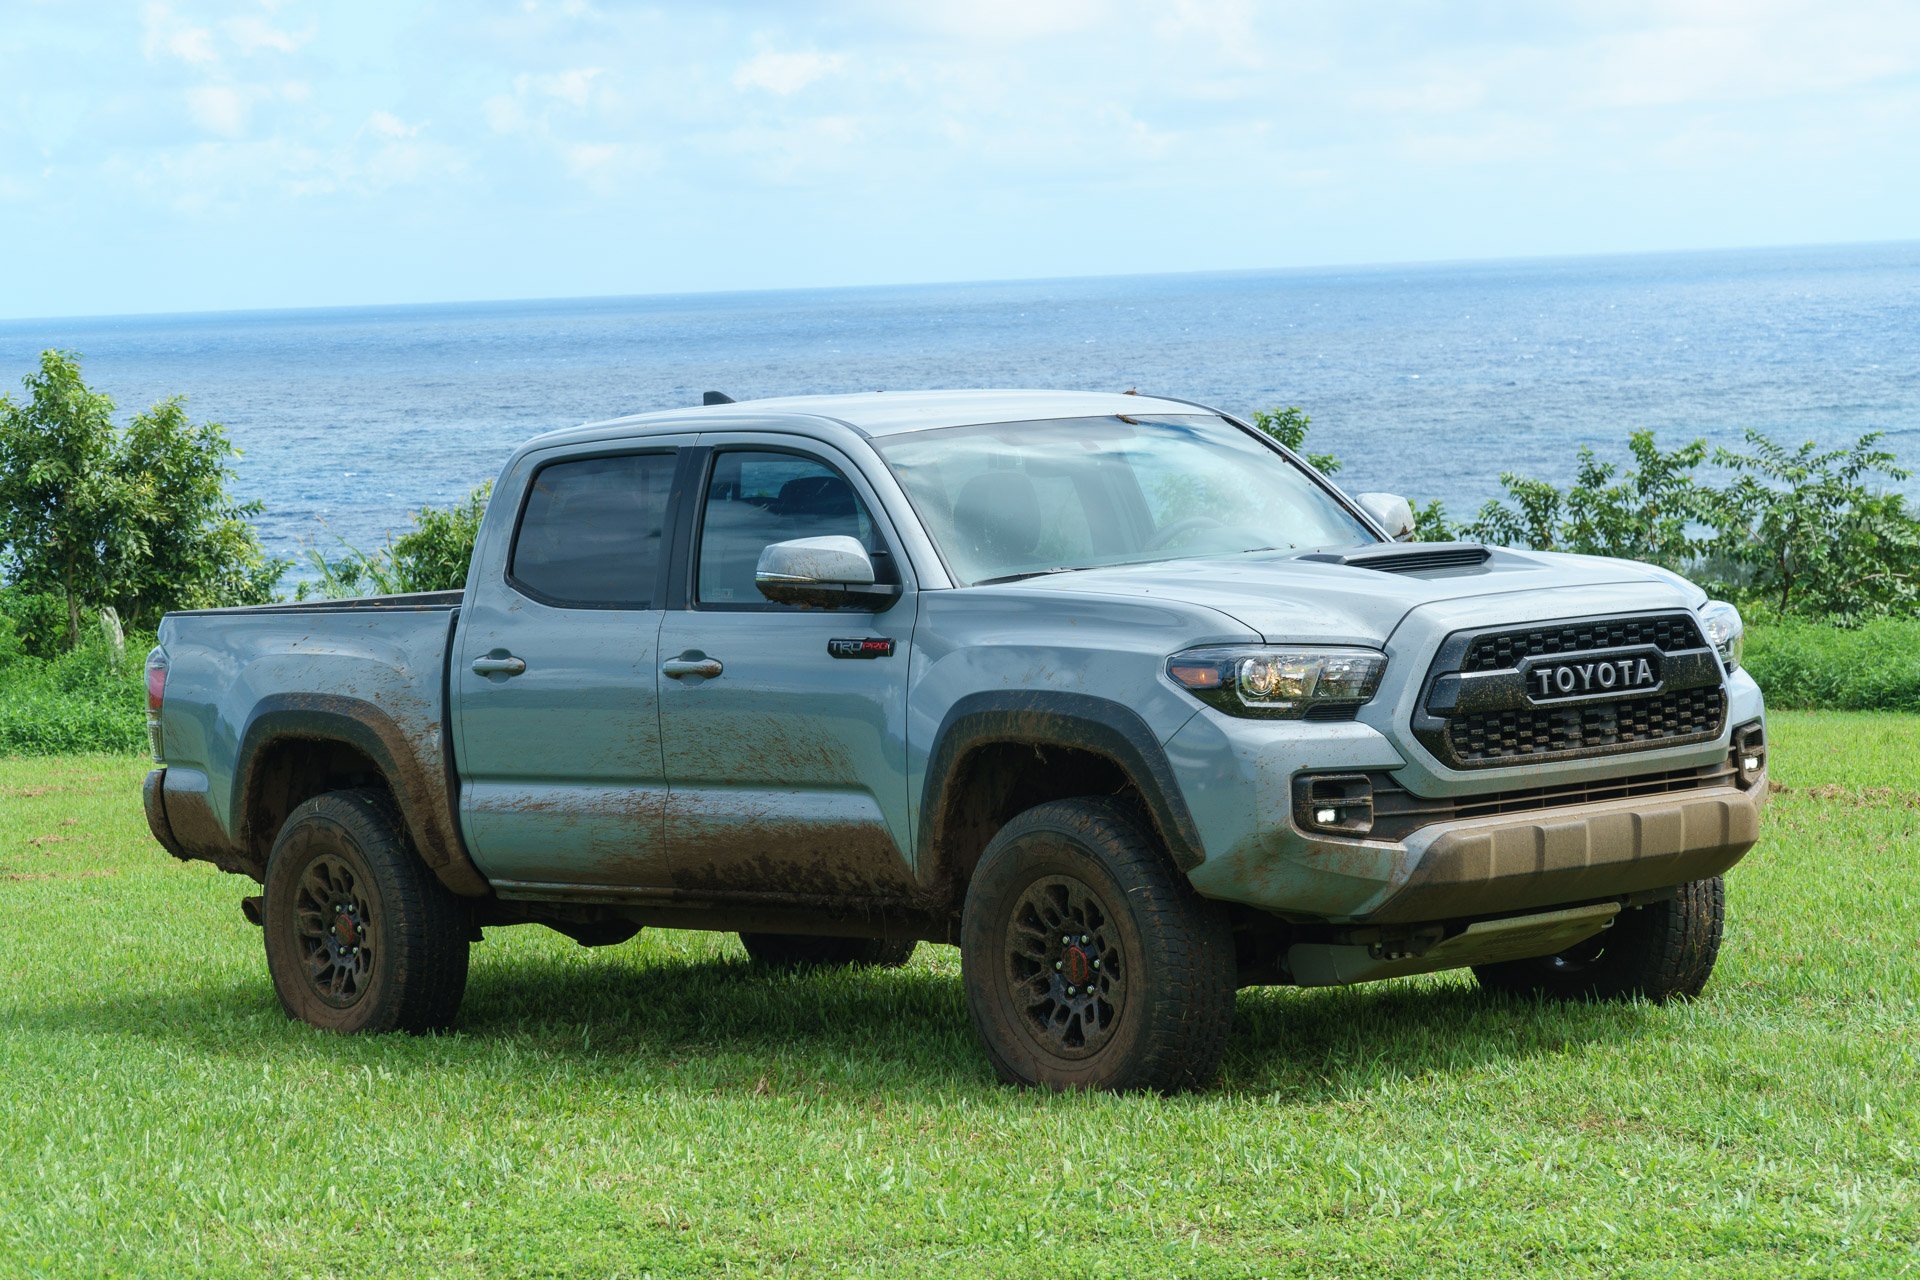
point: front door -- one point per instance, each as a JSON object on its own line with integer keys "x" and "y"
{"x": 785, "y": 745}
{"x": 555, "y": 684}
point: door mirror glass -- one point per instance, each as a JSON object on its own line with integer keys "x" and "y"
{"x": 1391, "y": 512}
{"x": 831, "y": 572}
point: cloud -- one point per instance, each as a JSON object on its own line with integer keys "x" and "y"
{"x": 385, "y": 124}
{"x": 251, "y": 34}
{"x": 219, "y": 108}
{"x": 163, "y": 34}
{"x": 786, "y": 73}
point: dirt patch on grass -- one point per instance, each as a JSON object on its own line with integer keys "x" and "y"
{"x": 1857, "y": 797}
{"x": 15, "y": 877}
{"x": 29, "y": 793}
{"x": 37, "y": 841}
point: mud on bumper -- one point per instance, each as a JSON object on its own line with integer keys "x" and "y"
{"x": 1478, "y": 867}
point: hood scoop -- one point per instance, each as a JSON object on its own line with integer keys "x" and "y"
{"x": 1406, "y": 557}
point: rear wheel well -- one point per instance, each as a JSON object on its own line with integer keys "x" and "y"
{"x": 996, "y": 781}
{"x": 292, "y": 771}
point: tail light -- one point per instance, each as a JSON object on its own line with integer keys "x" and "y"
{"x": 156, "y": 694}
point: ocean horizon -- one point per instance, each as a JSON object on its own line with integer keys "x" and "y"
{"x": 1428, "y": 379}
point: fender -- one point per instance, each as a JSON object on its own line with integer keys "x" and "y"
{"x": 1042, "y": 719}
{"x": 414, "y": 764}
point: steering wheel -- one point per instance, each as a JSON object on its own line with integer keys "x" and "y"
{"x": 1166, "y": 536}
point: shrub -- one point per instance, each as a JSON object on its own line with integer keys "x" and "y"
{"x": 1797, "y": 533}
{"x": 1807, "y": 665}
{"x": 431, "y": 556}
{"x": 87, "y": 699}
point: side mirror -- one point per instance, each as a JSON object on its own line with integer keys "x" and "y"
{"x": 833, "y": 572}
{"x": 1391, "y": 512}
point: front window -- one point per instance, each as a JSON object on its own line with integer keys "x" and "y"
{"x": 755, "y": 499}
{"x": 1014, "y": 499}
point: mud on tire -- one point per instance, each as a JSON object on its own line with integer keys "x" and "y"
{"x": 1660, "y": 952}
{"x": 360, "y": 936}
{"x": 1089, "y": 961}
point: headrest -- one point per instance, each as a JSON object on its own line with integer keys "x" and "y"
{"x": 815, "y": 496}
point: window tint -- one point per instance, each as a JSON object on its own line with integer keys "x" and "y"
{"x": 756, "y": 499}
{"x": 592, "y": 532}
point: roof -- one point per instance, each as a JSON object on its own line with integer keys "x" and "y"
{"x": 882, "y": 413}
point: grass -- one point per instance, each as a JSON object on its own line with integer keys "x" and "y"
{"x": 660, "y": 1108}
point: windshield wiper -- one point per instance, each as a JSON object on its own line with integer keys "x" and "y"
{"x": 1031, "y": 573}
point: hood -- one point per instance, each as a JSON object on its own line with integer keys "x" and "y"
{"x": 1287, "y": 599}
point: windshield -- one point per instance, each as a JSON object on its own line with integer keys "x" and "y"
{"x": 1014, "y": 499}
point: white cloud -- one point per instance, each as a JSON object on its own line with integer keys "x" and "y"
{"x": 164, "y": 34}
{"x": 573, "y": 87}
{"x": 219, "y": 108}
{"x": 251, "y": 34}
{"x": 786, "y": 73}
{"x": 385, "y": 124}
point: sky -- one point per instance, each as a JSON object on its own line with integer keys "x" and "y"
{"x": 178, "y": 155}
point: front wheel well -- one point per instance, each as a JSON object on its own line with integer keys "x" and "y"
{"x": 996, "y": 781}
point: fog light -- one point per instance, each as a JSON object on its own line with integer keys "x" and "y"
{"x": 1336, "y": 803}
{"x": 1749, "y": 754}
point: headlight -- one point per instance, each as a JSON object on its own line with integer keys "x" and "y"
{"x": 1286, "y": 684}
{"x": 1725, "y": 631}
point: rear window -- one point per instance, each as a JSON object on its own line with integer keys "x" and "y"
{"x": 592, "y": 532}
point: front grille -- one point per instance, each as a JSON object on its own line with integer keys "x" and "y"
{"x": 1670, "y": 633}
{"x": 1594, "y": 728}
{"x": 1479, "y": 709}
{"x": 1397, "y": 812}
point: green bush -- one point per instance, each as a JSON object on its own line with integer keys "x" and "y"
{"x": 431, "y": 556}
{"x": 88, "y": 699}
{"x": 1796, "y": 533}
{"x": 1803, "y": 665}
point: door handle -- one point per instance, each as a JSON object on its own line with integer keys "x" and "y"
{"x": 708, "y": 667}
{"x": 493, "y": 665}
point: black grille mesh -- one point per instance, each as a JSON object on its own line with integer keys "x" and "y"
{"x": 1504, "y": 650}
{"x": 1503, "y": 735}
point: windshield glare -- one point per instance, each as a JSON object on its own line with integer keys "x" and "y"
{"x": 1019, "y": 498}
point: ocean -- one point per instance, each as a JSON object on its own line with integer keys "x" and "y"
{"x": 1428, "y": 380}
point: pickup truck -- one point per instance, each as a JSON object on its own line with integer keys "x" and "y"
{"x": 1111, "y": 691}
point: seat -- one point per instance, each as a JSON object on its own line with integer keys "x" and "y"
{"x": 997, "y": 516}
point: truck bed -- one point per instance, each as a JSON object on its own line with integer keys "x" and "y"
{"x": 265, "y": 700}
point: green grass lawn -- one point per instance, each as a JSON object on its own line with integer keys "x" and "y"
{"x": 660, "y": 1108}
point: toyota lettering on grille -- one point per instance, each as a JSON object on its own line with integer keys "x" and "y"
{"x": 1592, "y": 675}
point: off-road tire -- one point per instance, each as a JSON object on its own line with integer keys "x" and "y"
{"x": 415, "y": 931}
{"x": 806, "y": 951}
{"x": 1087, "y": 875}
{"x": 1660, "y": 952}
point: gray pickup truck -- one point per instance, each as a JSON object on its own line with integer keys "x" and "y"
{"x": 1111, "y": 691}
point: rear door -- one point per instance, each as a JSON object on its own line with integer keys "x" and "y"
{"x": 787, "y": 760}
{"x": 555, "y": 677}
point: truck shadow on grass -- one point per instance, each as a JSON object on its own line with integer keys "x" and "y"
{"x": 910, "y": 1027}
{"x": 721, "y": 1023}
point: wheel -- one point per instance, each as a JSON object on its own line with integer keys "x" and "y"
{"x": 1660, "y": 952}
{"x": 805, "y": 951}
{"x": 360, "y": 936}
{"x": 1089, "y": 961}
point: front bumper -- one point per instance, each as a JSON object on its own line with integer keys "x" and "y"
{"x": 1490, "y": 866}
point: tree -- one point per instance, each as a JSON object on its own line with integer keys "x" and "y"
{"x": 136, "y": 519}
{"x": 1289, "y": 427}
{"x": 1810, "y": 534}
